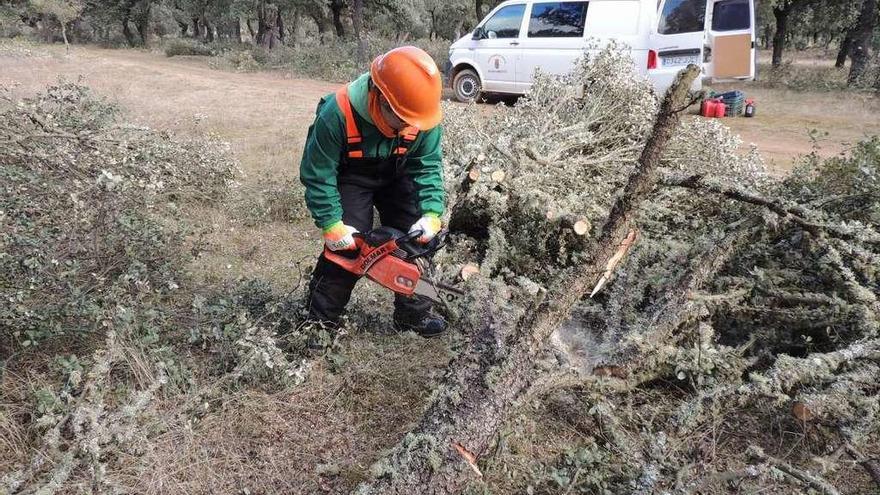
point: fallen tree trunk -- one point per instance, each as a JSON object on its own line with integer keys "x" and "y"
{"x": 495, "y": 369}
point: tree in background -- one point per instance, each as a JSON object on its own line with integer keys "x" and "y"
{"x": 447, "y": 18}
{"x": 60, "y": 11}
{"x": 265, "y": 23}
{"x": 782, "y": 11}
{"x": 861, "y": 40}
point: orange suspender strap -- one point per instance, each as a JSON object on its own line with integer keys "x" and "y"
{"x": 408, "y": 135}
{"x": 352, "y": 135}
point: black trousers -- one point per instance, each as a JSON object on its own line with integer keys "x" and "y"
{"x": 394, "y": 196}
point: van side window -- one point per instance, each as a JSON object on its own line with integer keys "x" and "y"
{"x": 506, "y": 22}
{"x": 731, "y": 15}
{"x": 557, "y": 20}
{"x": 682, "y": 16}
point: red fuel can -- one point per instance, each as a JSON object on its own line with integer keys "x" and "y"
{"x": 704, "y": 108}
{"x": 712, "y": 108}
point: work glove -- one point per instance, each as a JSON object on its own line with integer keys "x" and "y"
{"x": 429, "y": 224}
{"x": 338, "y": 237}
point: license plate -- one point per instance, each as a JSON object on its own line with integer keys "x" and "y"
{"x": 680, "y": 60}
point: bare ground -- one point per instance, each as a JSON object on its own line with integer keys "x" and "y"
{"x": 337, "y": 423}
{"x": 781, "y": 127}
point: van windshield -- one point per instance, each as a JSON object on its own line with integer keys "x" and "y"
{"x": 682, "y": 16}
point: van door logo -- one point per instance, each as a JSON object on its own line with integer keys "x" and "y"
{"x": 497, "y": 63}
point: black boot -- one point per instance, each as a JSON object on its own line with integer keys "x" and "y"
{"x": 427, "y": 324}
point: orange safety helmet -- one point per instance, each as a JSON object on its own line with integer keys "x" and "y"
{"x": 410, "y": 80}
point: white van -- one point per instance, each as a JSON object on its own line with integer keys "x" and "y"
{"x": 518, "y": 36}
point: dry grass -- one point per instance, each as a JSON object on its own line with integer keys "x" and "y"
{"x": 279, "y": 442}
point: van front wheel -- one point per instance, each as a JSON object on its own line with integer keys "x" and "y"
{"x": 466, "y": 86}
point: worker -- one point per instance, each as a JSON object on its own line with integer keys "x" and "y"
{"x": 375, "y": 142}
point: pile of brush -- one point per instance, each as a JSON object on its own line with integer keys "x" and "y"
{"x": 610, "y": 248}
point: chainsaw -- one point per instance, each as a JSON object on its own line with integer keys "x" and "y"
{"x": 397, "y": 261}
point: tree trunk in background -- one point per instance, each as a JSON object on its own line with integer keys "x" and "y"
{"x": 294, "y": 28}
{"x": 336, "y": 7}
{"x": 861, "y": 40}
{"x": 236, "y": 30}
{"x": 45, "y": 29}
{"x": 209, "y": 30}
{"x": 780, "y": 12}
{"x": 279, "y": 24}
{"x": 495, "y": 369}
{"x": 357, "y": 21}
{"x": 843, "y": 53}
{"x": 64, "y": 35}
{"x": 126, "y": 31}
{"x": 479, "y": 10}
{"x": 250, "y": 29}
{"x": 184, "y": 28}
{"x": 197, "y": 28}
{"x": 267, "y": 25}
{"x": 319, "y": 22}
{"x": 143, "y": 28}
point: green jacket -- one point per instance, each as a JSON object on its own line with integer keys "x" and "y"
{"x": 325, "y": 144}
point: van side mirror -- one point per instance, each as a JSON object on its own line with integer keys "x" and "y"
{"x": 479, "y": 33}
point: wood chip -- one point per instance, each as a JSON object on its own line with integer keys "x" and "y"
{"x": 581, "y": 227}
{"x": 498, "y": 175}
{"x": 609, "y": 370}
{"x": 469, "y": 270}
{"x": 468, "y": 457}
{"x": 800, "y": 411}
{"x": 474, "y": 174}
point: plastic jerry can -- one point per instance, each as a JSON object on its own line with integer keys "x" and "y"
{"x": 707, "y": 109}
